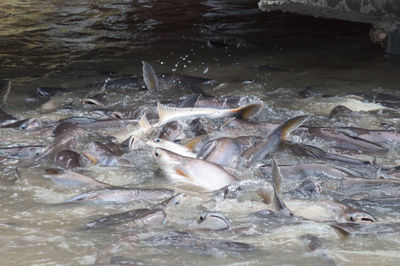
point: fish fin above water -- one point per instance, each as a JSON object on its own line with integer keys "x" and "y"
{"x": 91, "y": 157}
{"x": 247, "y": 111}
{"x": 150, "y": 78}
{"x": 193, "y": 142}
{"x": 288, "y": 126}
{"x": 144, "y": 123}
{"x": 181, "y": 172}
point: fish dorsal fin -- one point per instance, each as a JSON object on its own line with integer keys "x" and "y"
{"x": 193, "y": 142}
{"x": 164, "y": 111}
{"x": 288, "y": 126}
{"x": 150, "y": 78}
{"x": 247, "y": 111}
{"x": 267, "y": 196}
{"x": 143, "y": 122}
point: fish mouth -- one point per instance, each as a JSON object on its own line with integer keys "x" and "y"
{"x": 367, "y": 220}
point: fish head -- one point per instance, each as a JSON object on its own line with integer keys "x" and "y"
{"x": 166, "y": 158}
{"x": 358, "y": 216}
{"x": 211, "y": 221}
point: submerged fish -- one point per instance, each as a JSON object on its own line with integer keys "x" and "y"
{"x": 118, "y": 196}
{"x": 210, "y": 221}
{"x": 193, "y": 171}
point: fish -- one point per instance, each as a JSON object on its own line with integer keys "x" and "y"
{"x": 129, "y": 220}
{"x": 167, "y": 114}
{"x": 313, "y": 151}
{"x": 183, "y": 239}
{"x": 347, "y": 142}
{"x": 68, "y": 159}
{"x": 156, "y": 83}
{"x": 6, "y": 118}
{"x": 171, "y": 146}
{"x": 120, "y": 196}
{"x": 149, "y": 217}
{"x": 100, "y": 154}
{"x": 210, "y": 221}
{"x": 25, "y": 124}
{"x": 272, "y": 141}
{"x": 5, "y": 88}
{"x": 72, "y": 179}
{"x": 316, "y": 210}
{"x": 194, "y": 171}
{"x": 223, "y": 151}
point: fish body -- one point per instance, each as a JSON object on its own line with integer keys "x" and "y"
{"x": 197, "y": 172}
{"x": 171, "y": 146}
{"x": 167, "y": 114}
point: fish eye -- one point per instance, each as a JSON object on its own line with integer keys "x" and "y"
{"x": 202, "y": 218}
{"x": 351, "y": 218}
{"x": 156, "y": 154}
{"x": 157, "y": 140}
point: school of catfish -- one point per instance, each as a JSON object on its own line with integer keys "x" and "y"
{"x": 330, "y": 176}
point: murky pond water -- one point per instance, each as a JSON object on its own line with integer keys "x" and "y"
{"x": 91, "y": 52}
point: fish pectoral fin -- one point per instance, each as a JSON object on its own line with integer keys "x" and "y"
{"x": 181, "y": 172}
{"x": 150, "y": 78}
{"x": 339, "y": 230}
{"x": 91, "y": 157}
{"x": 247, "y": 111}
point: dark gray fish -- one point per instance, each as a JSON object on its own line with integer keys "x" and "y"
{"x": 156, "y": 83}
{"x": 27, "y": 151}
{"x": 301, "y": 171}
{"x": 340, "y": 111}
{"x": 68, "y": 159}
{"x": 119, "y": 196}
{"x": 100, "y": 154}
{"x": 309, "y": 187}
{"x": 67, "y": 136}
{"x": 346, "y": 142}
{"x": 26, "y": 124}
{"x": 6, "y": 118}
{"x": 51, "y": 91}
{"x": 269, "y": 145}
{"x": 172, "y": 131}
{"x": 129, "y": 220}
{"x": 121, "y": 260}
{"x": 73, "y": 179}
{"x": 99, "y": 99}
{"x": 312, "y": 151}
{"x": 183, "y": 239}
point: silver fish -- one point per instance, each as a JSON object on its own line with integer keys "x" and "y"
{"x": 193, "y": 171}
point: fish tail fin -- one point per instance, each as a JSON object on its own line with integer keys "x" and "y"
{"x": 150, "y": 78}
{"x": 247, "y": 111}
{"x": 288, "y": 126}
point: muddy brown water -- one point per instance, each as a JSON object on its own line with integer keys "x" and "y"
{"x": 87, "y": 46}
